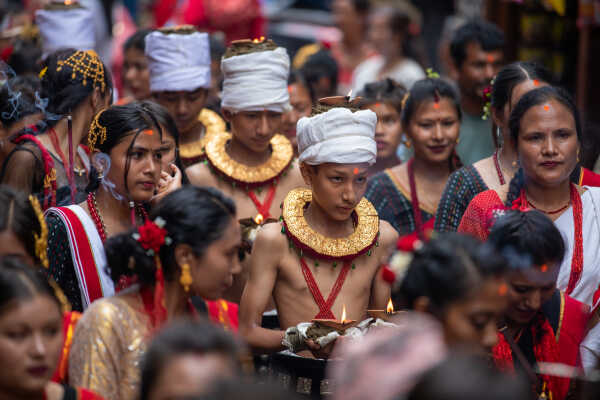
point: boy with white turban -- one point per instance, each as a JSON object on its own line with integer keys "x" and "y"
{"x": 179, "y": 65}
{"x": 329, "y": 248}
{"x": 254, "y": 164}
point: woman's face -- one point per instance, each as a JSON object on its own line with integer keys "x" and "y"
{"x": 146, "y": 161}
{"x": 136, "y": 76}
{"x": 212, "y": 273}
{"x": 301, "y": 107}
{"x": 528, "y": 290}
{"x": 381, "y": 36}
{"x": 388, "y": 131}
{"x": 433, "y": 130}
{"x": 30, "y": 344}
{"x": 547, "y": 144}
{"x": 473, "y": 321}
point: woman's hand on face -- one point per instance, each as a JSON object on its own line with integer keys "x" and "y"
{"x": 167, "y": 183}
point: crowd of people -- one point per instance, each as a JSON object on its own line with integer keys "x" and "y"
{"x": 220, "y": 221}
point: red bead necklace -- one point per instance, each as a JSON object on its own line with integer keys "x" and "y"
{"x": 415, "y": 200}
{"x": 577, "y": 259}
{"x": 498, "y": 169}
{"x": 97, "y": 218}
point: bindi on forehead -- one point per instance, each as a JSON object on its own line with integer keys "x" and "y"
{"x": 148, "y": 132}
{"x": 546, "y": 107}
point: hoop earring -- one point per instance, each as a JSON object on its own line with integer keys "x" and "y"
{"x": 186, "y": 277}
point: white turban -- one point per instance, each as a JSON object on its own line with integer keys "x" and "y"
{"x": 178, "y": 61}
{"x": 338, "y": 136}
{"x": 66, "y": 29}
{"x": 256, "y": 81}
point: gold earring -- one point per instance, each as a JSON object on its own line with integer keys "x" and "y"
{"x": 457, "y": 140}
{"x": 407, "y": 143}
{"x": 186, "y": 277}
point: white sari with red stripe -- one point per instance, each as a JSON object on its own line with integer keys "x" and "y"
{"x": 87, "y": 253}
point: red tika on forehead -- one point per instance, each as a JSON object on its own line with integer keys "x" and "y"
{"x": 355, "y": 171}
{"x": 436, "y": 105}
{"x": 148, "y": 132}
{"x": 490, "y": 58}
{"x": 536, "y": 82}
{"x": 546, "y": 107}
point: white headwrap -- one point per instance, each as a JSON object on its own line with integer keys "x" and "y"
{"x": 177, "y": 61}
{"x": 256, "y": 81}
{"x": 66, "y": 29}
{"x": 338, "y": 136}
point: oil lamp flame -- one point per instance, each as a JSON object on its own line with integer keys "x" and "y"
{"x": 349, "y": 95}
{"x": 259, "y": 219}
{"x": 390, "y": 307}
{"x": 344, "y": 320}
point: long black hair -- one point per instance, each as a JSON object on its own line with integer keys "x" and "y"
{"x": 132, "y": 119}
{"x": 65, "y": 88}
{"x": 17, "y": 216}
{"x": 184, "y": 338}
{"x": 527, "y": 238}
{"x": 196, "y": 216}
{"x": 531, "y": 99}
{"x": 447, "y": 269}
{"x": 20, "y": 282}
{"x": 18, "y": 99}
{"x": 512, "y": 75}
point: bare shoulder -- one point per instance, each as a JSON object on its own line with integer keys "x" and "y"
{"x": 199, "y": 174}
{"x": 388, "y": 236}
{"x": 270, "y": 237}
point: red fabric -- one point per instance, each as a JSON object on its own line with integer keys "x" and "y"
{"x": 84, "y": 394}
{"x": 589, "y": 178}
{"x": 223, "y": 313}
{"x": 475, "y": 219}
{"x": 163, "y": 10}
{"x": 249, "y": 25}
{"x": 83, "y": 258}
{"x": 264, "y": 208}
{"x": 70, "y": 320}
{"x": 575, "y": 317}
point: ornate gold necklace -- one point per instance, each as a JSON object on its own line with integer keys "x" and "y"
{"x": 318, "y": 246}
{"x": 213, "y": 124}
{"x": 282, "y": 155}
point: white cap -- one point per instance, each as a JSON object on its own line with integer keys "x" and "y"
{"x": 338, "y": 136}
{"x": 178, "y": 61}
{"x": 256, "y": 81}
{"x": 66, "y": 29}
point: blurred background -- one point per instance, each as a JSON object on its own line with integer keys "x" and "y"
{"x": 562, "y": 34}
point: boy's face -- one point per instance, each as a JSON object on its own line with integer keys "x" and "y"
{"x": 254, "y": 129}
{"x": 337, "y": 188}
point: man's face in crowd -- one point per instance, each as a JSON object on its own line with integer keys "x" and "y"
{"x": 184, "y": 107}
{"x": 478, "y": 69}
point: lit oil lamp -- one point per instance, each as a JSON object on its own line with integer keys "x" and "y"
{"x": 386, "y": 314}
{"x": 341, "y": 100}
{"x": 340, "y": 325}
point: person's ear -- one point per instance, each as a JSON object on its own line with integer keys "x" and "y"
{"x": 183, "y": 254}
{"x": 307, "y": 172}
{"x": 421, "y": 304}
{"x": 97, "y": 100}
{"x": 227, "y": 115}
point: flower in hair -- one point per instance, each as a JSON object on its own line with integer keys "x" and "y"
{"x": 487, "y": 96}
{"x": 395, "y": 271}
{"x": 152, "y": 236}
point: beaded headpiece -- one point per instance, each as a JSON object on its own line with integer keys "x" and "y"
{"x": 41, "y": 245}
{"x": 96, "y": 130}
{"x": 88, "y": 64}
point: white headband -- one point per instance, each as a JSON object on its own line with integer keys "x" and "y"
{"x": 338, "y": 136}
{"x": 177, "y": 61}
{"x": 66, "y": 29}
{"x": 256, "y": 81}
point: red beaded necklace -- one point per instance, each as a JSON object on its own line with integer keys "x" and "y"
{"x": 498, "y": 169}
{"x": 577, "y": 260}
{"x": 99, "y": 222}
{"x": 415, "y": 200}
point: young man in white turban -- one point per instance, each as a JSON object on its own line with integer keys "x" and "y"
{"x": 179, "y": 65}
{"x": 254, "y": 164}
{"x": 330, "y": 246}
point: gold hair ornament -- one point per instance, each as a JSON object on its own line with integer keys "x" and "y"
{"x": 405, "y": 99}
{"x": 186, "y": 279}
{"x": 88, "y": 64}
{"x": 96, "y": 131}
{"x": 41, "y": 240}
